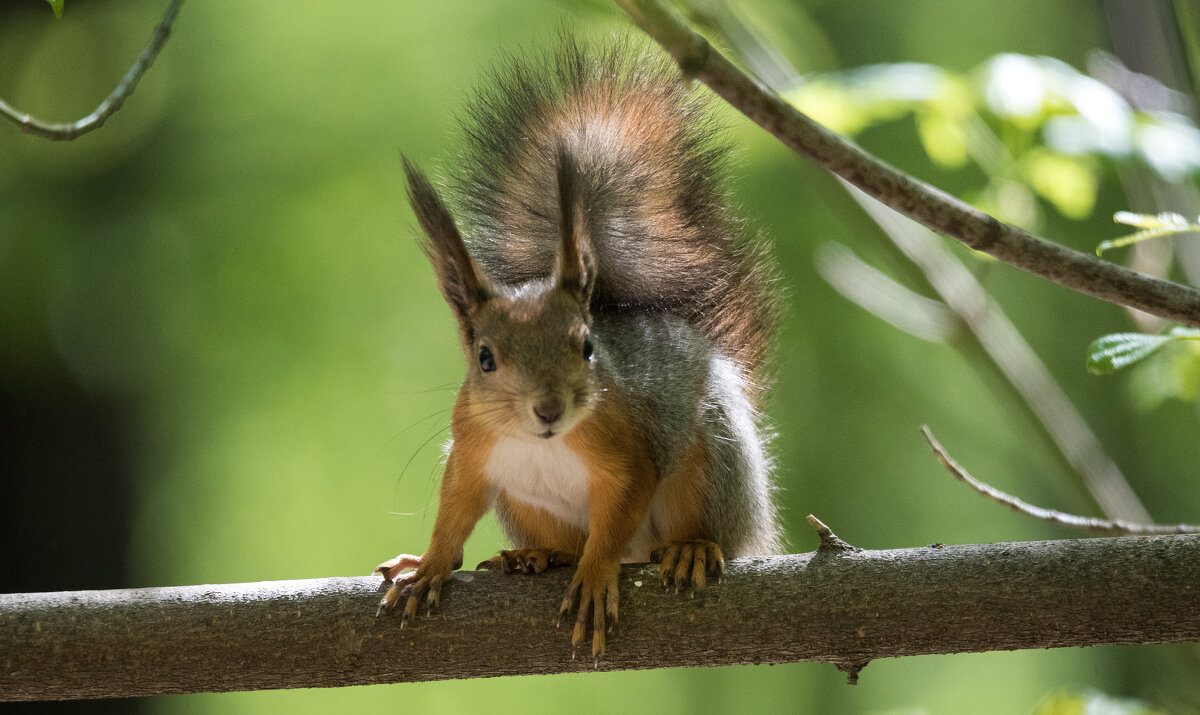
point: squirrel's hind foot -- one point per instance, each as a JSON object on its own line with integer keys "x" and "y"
{"x": 527, "y": 560}
{"x": 688, "y": 563}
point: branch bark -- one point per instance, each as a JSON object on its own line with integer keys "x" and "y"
{"x": 914, "y": 198}
{"x": 842, "y": 606}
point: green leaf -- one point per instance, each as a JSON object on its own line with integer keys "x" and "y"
{"x": 1163, "y": 224}
{"x": 1161, "y": 221}
{"x": 1110, "y": 353}
{"x": 1170, "y": 374}
{"x": 1091, "y": 701}
{"x": 57, "y": 6}
{"x": 1067, "y": 182}
{"x": 944, "y": 137}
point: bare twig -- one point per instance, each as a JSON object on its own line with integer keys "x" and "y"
{"x": 847, "y": 607}
{"x": 1105, "y": 526}
{"x": 928, "y": 205}
{"x": 1003, "y": 346}
{"x": 71, "y": 130}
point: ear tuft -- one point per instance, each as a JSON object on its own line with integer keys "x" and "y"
{"x": 460, "y": 279}
{"x": 575, "y": 270}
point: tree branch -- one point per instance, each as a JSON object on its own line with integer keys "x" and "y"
{"x": 920, "y": 201}
{"x": 1104, "y": 526}
{"x": 1007, "y": 351}
{"x": 840, "y": 605}
{"x": 70, "y": 130}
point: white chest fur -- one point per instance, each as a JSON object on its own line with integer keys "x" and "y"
{"x": 545, "y": 474}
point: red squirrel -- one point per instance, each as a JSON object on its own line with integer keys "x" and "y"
{"x": 615, "y": 319}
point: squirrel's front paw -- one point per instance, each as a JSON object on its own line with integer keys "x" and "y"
{"x": 594, "y": 589}
{"x": 527, "y": 560}
{"x": 687, "y": 564}
{"x": 426, "y": 581}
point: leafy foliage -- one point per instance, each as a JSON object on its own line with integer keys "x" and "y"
{"x": 1036, "y": 127}
{"x": 57, "y": 7}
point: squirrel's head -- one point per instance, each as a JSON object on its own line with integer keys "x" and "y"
{"x": 529, "y": 348}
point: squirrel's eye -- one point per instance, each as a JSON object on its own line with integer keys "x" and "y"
{"x": 487, "y": 363}
{"x": 587, "y": 348}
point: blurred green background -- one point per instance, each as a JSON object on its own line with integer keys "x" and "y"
{"x": 223, "y": 359}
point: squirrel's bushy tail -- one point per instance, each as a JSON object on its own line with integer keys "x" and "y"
{"x": 650, "y": 177}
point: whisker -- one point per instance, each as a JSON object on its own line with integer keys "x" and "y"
{"x": 396, "y": 436}
{"x": 422, "y": 446}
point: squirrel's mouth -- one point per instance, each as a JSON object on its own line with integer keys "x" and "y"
{"x": 547, "y": 434}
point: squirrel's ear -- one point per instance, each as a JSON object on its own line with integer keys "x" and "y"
{"x": 459, "y": 277}
{"x": 575, "y": 270}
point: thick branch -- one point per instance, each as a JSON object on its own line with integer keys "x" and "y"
{"x": 917, "y": 200}
{"x": 842, "y": 606}
{"x": 111, "y": 103}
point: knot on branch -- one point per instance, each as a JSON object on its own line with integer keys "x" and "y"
{"x": 831, "y": 543}
{"x": 852, "y": 669}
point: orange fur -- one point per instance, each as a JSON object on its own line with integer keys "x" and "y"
{"x": 463, "y": 496}
{"x": 680, "y": 502}
{"x": 531, "y": 527}
{"x": 621, "y": 480}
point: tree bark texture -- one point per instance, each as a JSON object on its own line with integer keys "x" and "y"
{"x": 839, "y": 605}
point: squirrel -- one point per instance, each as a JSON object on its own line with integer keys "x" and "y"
{"x": 615, "y": 318}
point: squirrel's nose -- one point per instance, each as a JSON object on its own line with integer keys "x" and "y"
{"x": 548, "y": 409}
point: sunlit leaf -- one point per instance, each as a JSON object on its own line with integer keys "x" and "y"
{"x": 1110, "y": 353}
{"x": 1104, "y": 115}
{"x": 1015, "y": 88}
{"x": 1170, "y": 144}
{"x": 1010, "y": 201}
{"x": 944, "y": 138}
{"x": 1062, "y": 180}
{"x": 831, "y": 105}
{"x": 994, "y": 117}
{"x": 1167, "y": 219}
{"x": 1091, "y": 702}
{"x": 1163, "y": 224}
{"x": 57, "y": 6}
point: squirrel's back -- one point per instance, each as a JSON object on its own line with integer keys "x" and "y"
{"x": 649, "y": 174}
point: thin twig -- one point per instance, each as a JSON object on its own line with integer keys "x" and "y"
{"x": 994, "y": 335}
{"x": 924, "y": 203}
{"x": 1104, "y": 526}
{"x": 65, "y": 131}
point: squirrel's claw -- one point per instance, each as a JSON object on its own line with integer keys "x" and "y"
{"x": 423, "y": 584}
{"x": 592, "y": 591}
{"x": 688, "y": 563}
{"x": 527, "y": 561}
